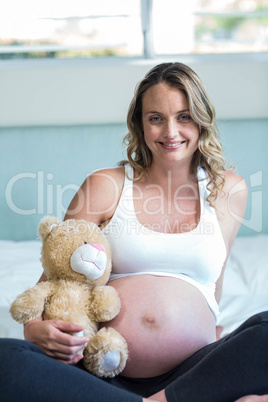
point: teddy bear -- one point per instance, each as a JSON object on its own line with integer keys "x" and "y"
{"x": 76, "y": 258}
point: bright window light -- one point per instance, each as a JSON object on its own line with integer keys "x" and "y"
{"x": 65, "y": 28}
{"x": 210, "y": 26}
{"x": 139, "y": 28}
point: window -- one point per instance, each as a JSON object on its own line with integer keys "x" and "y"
{"x": 65, "y": 28}
{"x": 210, "y": 26}
{"x": 143, "y": 28}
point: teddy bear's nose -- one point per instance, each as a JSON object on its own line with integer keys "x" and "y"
{"x": 89, "y": 260}
{"x": 98, "y": 247}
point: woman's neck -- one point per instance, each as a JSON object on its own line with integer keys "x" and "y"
{"x": 177, "y": 174}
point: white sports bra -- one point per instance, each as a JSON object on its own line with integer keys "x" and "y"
{"x": 196, "y": 256}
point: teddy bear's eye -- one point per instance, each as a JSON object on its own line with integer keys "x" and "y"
{"x": 85, "y": 242}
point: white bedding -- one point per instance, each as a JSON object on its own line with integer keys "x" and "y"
{"x": 245, "y": 289}
{"x": 20, "y": 269}
{"x": 245, "y": 286}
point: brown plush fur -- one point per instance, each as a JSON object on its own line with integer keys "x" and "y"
{"x": 71, "y": 296}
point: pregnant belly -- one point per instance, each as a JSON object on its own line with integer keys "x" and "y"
{"x": 164, "y": 321}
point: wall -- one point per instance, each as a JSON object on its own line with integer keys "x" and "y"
{"x": 70, "y": 92}
{"x": 245, "y": 143}
{"x": 60, "y": 121}
{"x": 42, "y": 167}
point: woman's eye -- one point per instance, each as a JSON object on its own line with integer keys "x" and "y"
{"x": 185, "y": 117}
{"x": 155, "y": 119}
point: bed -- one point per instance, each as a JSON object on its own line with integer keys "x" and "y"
{"x": 245, "y": 287}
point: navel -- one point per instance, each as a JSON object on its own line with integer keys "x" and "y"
{"x": 149, "y": 321}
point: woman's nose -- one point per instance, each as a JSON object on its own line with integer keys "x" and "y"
{"x": 170, "y": 130}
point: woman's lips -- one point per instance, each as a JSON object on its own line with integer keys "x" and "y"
{"x": 172, "y": 145}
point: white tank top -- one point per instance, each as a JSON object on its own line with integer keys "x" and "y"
{"x": 196, "y": 256}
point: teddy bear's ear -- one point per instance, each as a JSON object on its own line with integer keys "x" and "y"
{"x": 46, "y": 225}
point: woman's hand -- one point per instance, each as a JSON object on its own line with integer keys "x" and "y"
{"x": 53, "y": 337}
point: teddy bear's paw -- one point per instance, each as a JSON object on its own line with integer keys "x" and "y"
{"x": 105, "y": 303}
{"x": 106, "y": 353}
{"x": 111, "y": 360}
{"x": 29, "y": 305}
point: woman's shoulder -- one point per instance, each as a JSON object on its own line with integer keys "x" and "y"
{"x": 234, "y": 184}
{"x": 106, "y": 177}
{"x": 99, "y": 195}
{"x": 232, "y": 199}
{"x": 233, "y": 192}
{"x": 105, "y": 186}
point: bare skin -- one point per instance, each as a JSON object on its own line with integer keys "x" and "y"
{"x": 172, "y": 137}
{"x": 54, "y": 339}
{"x": 253, "y": 398}
{"x": 160, "y": 397}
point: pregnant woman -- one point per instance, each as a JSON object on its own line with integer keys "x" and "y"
{"x": 170, "y": 213}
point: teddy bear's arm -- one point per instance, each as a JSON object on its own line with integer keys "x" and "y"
{"x": 105, "y": 303}
{"x": 30, "y": 304}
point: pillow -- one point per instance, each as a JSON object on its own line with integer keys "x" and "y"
{"x": 245, "y": 284}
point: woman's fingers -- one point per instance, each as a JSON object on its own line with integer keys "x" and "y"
{"x": 63, "y": 346}
{"x": 67, "y": 327}
{"x": 55, "y": 339}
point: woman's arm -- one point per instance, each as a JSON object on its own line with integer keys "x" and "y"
{"x": 95, "y": 201}
{"x": 230, "y": 207}
{"x": 98, "y": 197}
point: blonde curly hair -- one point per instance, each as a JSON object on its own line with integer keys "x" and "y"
{"x": 209, "y": 153}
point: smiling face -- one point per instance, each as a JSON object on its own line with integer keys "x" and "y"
{"x": 169, "y": 131}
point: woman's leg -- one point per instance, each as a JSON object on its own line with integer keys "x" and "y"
{"x": 227, "y": 370}
{"x": 27, "y": 374}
